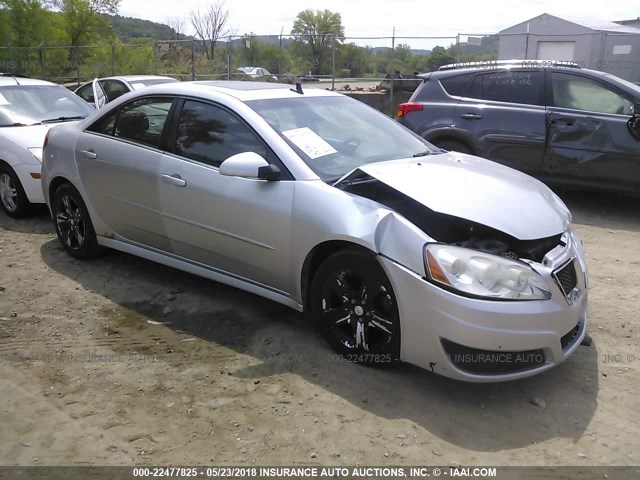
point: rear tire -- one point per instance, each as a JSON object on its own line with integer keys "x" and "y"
{"x": 353, "y": 304}
{"x": 453, "y": 146}
{"x": 13, "y": 198}
{"x": 73, "y": 223}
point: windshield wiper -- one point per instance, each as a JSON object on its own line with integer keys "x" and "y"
{"x": 356, "y": 178}
{"x": 425, "y": 154}
{"x": 17, "y": 124}
{"x": 62, "y": 119}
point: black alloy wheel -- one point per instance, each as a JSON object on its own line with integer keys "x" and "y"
{"x": 73, "y": 224}
{"x": 354, "y": 306}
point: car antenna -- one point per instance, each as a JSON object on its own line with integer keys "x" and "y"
{"x": 2, "y": 74}
{"x": 298, "y": 89}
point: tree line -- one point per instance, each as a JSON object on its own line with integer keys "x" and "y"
{"x": 85, "y": 38}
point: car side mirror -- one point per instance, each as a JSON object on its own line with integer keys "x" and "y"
{"x": 249, "y": 165}
{"x": 634, "y": 122}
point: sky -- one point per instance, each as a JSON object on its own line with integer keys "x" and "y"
{"x": 378, "y": 18}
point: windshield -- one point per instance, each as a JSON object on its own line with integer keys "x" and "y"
{"x": 34, "y": 104}
{"x": 334, "y": 135}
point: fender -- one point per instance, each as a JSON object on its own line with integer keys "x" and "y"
{"x": 449, "y": 131}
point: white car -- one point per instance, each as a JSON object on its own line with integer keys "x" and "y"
{"x": 104, "y": 90}
{"x": 256, "y": 72}
{"x": 28, "y": 108}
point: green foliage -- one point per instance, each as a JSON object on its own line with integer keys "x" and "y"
{"x": 352, "y": 60}
{"x": 22, "y": 23}
{"x": 128, "y": 29}
{"x": 254, "y": 51}
{"x": 35, "y": 40}
{"x": 25, "y": 23}
{"x": 137, "y": 59}
{"x": 439, "y": 56}
{"x": 82, "y": 21}
{"x": 318, "y": 30}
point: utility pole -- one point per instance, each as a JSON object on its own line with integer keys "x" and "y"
{"x": 228, "y": 57}
{"x": 333, "y": 63}
{"x": 280, "y": 54}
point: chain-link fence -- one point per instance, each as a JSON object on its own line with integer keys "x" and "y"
{"x": 359, "y": 62}
{"x": 310, "y": 57}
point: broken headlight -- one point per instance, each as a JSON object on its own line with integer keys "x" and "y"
{"x": 482, "y": 274}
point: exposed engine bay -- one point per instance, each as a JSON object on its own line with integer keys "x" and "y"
{"x": 448, "y": 228}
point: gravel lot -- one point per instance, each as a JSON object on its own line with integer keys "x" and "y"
{"x": 119, "y": 361}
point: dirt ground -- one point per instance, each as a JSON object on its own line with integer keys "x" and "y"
{"x": 121, "y": 361}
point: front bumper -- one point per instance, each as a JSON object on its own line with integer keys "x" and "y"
{"x": 485, "y": 340}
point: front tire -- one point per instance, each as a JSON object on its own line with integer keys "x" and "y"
{"x": 354, "y": 306}
{"x": 13, "y": 198}
{"x": 73, "y": 224}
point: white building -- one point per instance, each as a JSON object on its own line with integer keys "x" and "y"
{"x": 601, "y": 45}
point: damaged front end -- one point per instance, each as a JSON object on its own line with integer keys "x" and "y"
{"x": 446, "y": 228}
{"x": 481, "y": 303}
{"x": 470, "y": 258}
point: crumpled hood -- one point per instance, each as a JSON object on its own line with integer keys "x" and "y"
{"x": 478, "y": 190}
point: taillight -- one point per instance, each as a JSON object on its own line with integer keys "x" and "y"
{"x": 46, "y": 139}
{"x": 405, "y": 108}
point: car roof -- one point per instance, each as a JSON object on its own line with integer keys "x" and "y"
{"x": 489, "y": 65}
{"x": 492, "y": 65}
{"x": 243, "y": 91}
{"x": 133, "y": 78}
{"x": 9, "y": 80}
{"x": 127, "y": 78}
{"x": 513, "y": 63}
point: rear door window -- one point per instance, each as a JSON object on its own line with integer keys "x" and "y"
{"x": 113, "y": 89}
{"x": 457, "y": 85}
{"x": 517, "y": 86}
{"x": 142, "y": 120}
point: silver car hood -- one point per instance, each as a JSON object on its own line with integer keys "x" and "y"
{"x": 479, "y": 190}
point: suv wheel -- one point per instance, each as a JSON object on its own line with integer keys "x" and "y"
{"x": 453, "y": 146}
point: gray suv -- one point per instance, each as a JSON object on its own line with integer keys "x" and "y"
{"x": 554, "y": 120}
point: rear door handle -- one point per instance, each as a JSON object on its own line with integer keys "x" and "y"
{"x": 471, "y": 116}
{"x": 89, "y": 154}
{"x": 174, "y": 179}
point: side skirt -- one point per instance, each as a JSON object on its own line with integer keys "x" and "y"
{"x": 201, "y": 270}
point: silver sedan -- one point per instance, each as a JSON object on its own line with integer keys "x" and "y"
{"x": 397, "y": 250}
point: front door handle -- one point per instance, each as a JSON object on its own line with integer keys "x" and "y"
{"x": 568, "y": 123}
{"x": 89, "y": 154}
{"x": 471, "y": 116}
{"x": 174, "y": 179}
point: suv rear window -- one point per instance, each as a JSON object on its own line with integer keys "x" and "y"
{"x": 457, "y": 85}
{"x": 509, "y": 86}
